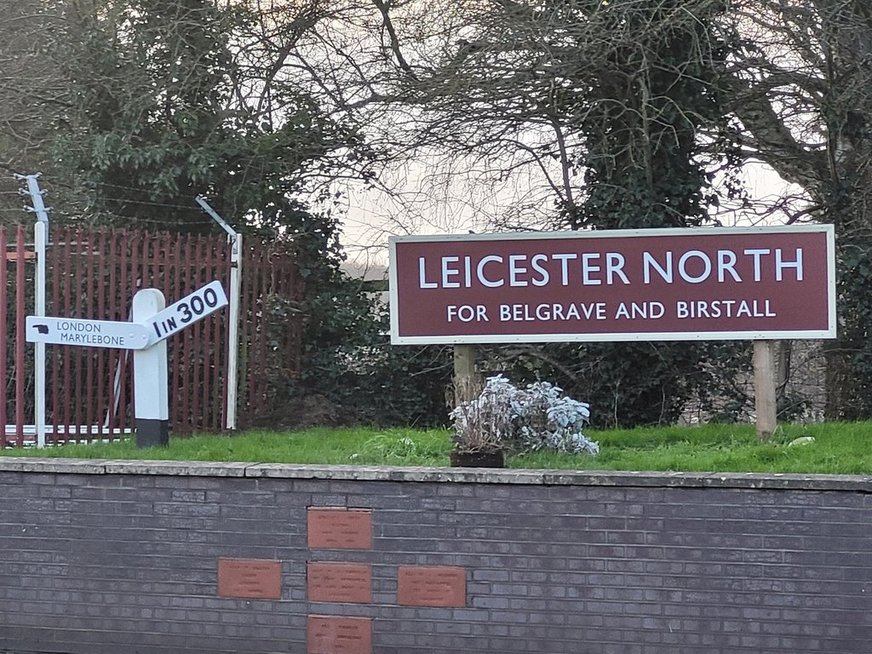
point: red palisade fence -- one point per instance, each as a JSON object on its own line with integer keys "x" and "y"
{"x": 94, "y": 274}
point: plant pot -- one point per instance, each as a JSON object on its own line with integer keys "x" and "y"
{"x": 480, "y": 459}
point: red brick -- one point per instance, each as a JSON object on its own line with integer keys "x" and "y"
{"x": 250, "y": 578}
{"x": 329, "y": 634}
{"x": 339, "y": 582}
{"x": 340, "y": 528}
{"x": 431, "y": 586}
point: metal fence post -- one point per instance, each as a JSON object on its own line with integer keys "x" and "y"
{"x": 40, "y": 238}
{"x": 235, "y": 239}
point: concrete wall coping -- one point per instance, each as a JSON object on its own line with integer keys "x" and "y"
{"x": 750, "y": 480}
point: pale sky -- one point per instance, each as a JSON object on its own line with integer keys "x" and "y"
{"x": 423, "y": 202}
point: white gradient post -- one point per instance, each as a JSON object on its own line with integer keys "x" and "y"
{"x": 150, "y": 377}
{"x": 40, "y": 238}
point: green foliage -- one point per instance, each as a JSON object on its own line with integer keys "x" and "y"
{"x": 629, "y": 384}
{"x": 159, "y": 116}
{"x": 362, "y": 378}
{"x": 350, "y": 372}
{"x": 163, "y": 111}
{"x": 849, "y": 359}
{"x": 845, "y": 199}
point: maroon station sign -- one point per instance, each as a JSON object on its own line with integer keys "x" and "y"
{"x": 666, "y": 284}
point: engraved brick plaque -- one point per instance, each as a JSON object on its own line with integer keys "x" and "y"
{"x": 339, "y": 528}
{"x": 337, "y": 635}
{"x": 431, "y": 586}
{"x": 339, "y": 582}
{"x": 250, "y": 578}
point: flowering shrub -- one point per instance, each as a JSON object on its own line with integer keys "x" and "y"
{"x": 533, "y": 418}
{"x": 485, "y": 422}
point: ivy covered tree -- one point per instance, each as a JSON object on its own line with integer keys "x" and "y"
{"x": 608, "y": 100}
{"x": 650, "y": 92}
{"x": 799, "y": 83}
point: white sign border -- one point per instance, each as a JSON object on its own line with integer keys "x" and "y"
{"x": 830, "y": 332}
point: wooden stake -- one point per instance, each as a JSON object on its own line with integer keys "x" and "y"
{"x": 465, "y": 380}
{"x": 764, "y": 389}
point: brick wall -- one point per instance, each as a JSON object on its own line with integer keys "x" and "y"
{"x": 139, "y": 557}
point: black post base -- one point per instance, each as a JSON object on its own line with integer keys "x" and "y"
{"x": 152, "y": 433}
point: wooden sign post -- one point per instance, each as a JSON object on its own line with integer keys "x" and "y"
{"x": 764, "y": 389}
{"x": 465, "y": 378}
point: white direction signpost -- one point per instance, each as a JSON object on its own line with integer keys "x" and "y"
{"x": 150, "y": 383}
{"x": 186, "y": 311}
{"x": 146, "y": 335}
{"x": 90, "y": 333}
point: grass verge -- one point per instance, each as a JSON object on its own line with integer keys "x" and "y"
{"x": 838, "y": 448}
